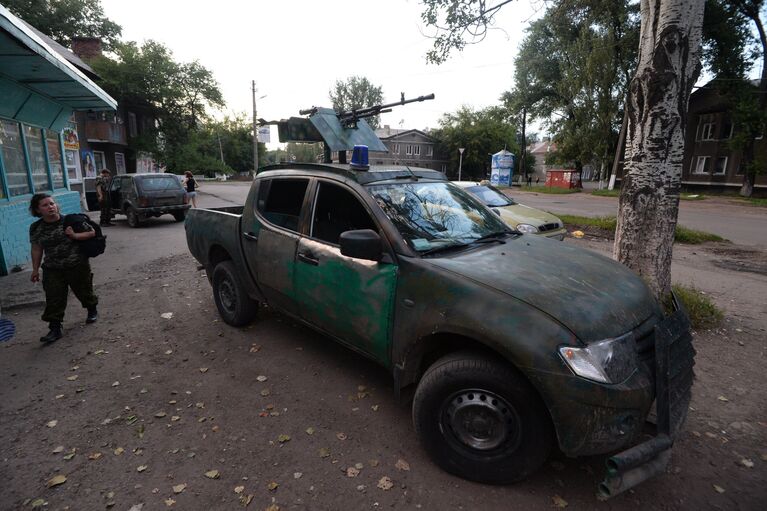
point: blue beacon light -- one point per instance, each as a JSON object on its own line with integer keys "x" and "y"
{"x": 360, "y": 158}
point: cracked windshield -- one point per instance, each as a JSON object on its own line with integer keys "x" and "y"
{"x": 436, "y": 215}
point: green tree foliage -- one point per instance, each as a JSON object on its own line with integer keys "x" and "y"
{"x": 64, "y": 20}
{"x": 356, "y": 92}
{"x": 572, "y": 72}
{"x": 481, "y": 133}
{"x": 178, "y": 95}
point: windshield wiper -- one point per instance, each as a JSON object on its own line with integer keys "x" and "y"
{"x": 493, "y": 236}
{"x": 443, "y": 248}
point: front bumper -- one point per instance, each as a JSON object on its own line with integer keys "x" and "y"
{"x": 674, "y": 361}
{"x": 558, "y": 234}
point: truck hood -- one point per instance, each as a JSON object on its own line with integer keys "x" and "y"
{"x": 593, "y": 296}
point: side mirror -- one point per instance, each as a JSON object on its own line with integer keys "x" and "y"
{"x": 361, "y": 244}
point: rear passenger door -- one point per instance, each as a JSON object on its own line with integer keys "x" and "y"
{"x": 271, "y": 239}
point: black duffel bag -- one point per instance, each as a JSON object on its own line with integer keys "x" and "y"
{"x": 91, "y": 247}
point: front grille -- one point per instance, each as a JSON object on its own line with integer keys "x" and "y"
{"x": 548, "y": 227}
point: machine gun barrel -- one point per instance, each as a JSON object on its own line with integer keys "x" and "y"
{"x": 351, "y": 115}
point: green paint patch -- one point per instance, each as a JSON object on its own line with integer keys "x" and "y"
{"x": 700, "y": 308}
{"x": 604, "y": 227}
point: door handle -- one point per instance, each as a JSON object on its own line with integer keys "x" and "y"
{"x": 308, "y": 259}
{"x": 250, "y": 236}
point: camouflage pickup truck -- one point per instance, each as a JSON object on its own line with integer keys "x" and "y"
{"x": 508, "y": 343}
{"x": 511, "y": 343}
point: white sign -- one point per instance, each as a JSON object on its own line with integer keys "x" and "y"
{"x": 264, "y": 134}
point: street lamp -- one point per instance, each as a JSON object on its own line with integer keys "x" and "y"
{"x": 460, "y": 161}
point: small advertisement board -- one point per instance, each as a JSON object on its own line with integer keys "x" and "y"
{"x": 502, "y": 168}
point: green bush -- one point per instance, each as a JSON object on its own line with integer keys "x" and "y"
{"x": 693, "y": 237}
{"x": 701, "y": 310}
{"x": 608, "y": 223}
{"x": 606, "y": 193}
{"x": 546, "y": 189}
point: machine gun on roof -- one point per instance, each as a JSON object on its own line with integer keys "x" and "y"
{"x": 339, "y": 131}
{"x": 349, "y": 118}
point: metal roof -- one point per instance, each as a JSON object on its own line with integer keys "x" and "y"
{"x": 48, "y": 79}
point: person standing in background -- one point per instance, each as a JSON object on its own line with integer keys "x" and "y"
{"x": 102, "y": 192}
{"x": 190, "y": 187}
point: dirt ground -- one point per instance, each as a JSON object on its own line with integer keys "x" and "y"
{"x": 145, "y": 412}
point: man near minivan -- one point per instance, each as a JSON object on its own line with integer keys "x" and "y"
{"x": 102, "y": 193}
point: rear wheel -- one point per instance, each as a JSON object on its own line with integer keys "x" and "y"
{"x": 133, "y": 218}
{"x": 478, "y": 418}
{"x": 234, "y": 305}
{"x": 179, "y": 215}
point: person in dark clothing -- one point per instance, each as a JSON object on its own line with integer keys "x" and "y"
{"x": 102, "y": 192}
{"x": 64, "y": 266}
{"x": 190, "y": 186}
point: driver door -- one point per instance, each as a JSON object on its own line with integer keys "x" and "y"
{"x": 350, "y": 299}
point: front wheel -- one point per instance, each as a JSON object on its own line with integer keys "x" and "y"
{"x": 234, "y": 305}
{"x": 479, "y": 419}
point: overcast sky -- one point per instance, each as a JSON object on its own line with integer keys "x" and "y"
{"x": 296, "y": 49}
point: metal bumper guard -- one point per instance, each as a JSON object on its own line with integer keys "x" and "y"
{"x": 674, "y": 361}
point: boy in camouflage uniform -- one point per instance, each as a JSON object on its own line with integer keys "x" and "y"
{"x": 102, "y": 192}
{"x": 64, "y": 267}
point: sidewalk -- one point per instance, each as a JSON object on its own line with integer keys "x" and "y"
{"x": 16, "y": 290}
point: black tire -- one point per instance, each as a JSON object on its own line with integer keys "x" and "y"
{"x": 133, "y": 218}
{"x": 479, "y": 419}
{"x": 234, "y": 305}
{"x": 179, "y": 215}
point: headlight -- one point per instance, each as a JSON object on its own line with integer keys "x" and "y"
{"x": 530, "y": 229}
{"x": 608, "y": 361}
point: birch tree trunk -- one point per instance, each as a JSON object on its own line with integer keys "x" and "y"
{"x": 669, "y": 64}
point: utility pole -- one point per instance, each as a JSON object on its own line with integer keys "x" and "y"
{"x": 255, "y": 130}
{"x": 460, "y": 161}
{"x": 220, "y": 147}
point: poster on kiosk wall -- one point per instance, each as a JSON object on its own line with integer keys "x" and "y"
{"x": 502, "y": 168}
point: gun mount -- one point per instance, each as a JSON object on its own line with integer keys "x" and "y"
{"x": 339, "y": 131}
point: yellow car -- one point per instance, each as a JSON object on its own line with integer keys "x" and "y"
{"x": 515, "y": 215}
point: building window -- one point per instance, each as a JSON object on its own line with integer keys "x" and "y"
{"x": 429, "y": 150}
{"x": 73, "y": 165}
{"x": 701, "y": 165}
{"x": 409, "y": 149}
{"x": 34, "y": 139}
{"x": 727, "y": 130}
{"x": 417, "y": 150}
{"x": 720, "y": 167}
{"x": 132, "y": 125}
{"x": 14, "y": 161}
{"x": 99, "y": 161}
{"x": 120, "y": 163}
{"x": 707, "y": 131}
{"x": 54, "y": 158}
{"x": 395, "y": 149}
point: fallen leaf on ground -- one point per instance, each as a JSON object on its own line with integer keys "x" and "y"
{"x": 203, "y": 369}
{"x": 119, "y": 451}
{"x": 747, "y": 463}
{"x": 283, "y": 438}
{"x": 239, "y": 489}
{"x": 324, "y": 452}
{"x": 72, "y": 378}
{"x": 137, "y": 507}
{"x": 212, "y": 474}
{"x": 168, "y": 352}
{"x": 352, "y": 472}
{"x": 56, "y": 480}
{"x": 59, "y": 396}
{"x": 169, "y": 502}
{"x": 719, "y": 489}
{"x": 58, "y": 449}
{"x": 141, "y": 468}
{"x": 52, "y": 424}
{"x": 373, "y": 463}
{"x": 309, "y": 431}
{"x": 722, "y": 398}
{"x": 297, "y": 475}
{"x": 175, "y": 418}
{"x": 166, "y": 315}
{"x": 577, "y": 234}
{"x": 179, "y": 488}
{"x": 402, "y": 465}
{"x": 559, "y": 502}
{"x": 273, "y": 507}
{"x": 160, "y": 415}
{"x": 341, "y": 436}
{"x": 254, "y": 348}
{"x": 70, "y": 455}
{"x": 261, "y": 378}
{"x": 94, "y": 456}
{"x": 38, "y": 503}
{"x": 385, "y": 483}
{"x": 272, "y": 486}
{"x": 374, "y": 408}
{"x": 115, "y": 384}
{"x": 265, "y": 392}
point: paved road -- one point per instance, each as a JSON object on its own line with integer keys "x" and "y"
{"x": 741, "y": 224}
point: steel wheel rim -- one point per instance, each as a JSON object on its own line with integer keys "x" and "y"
{"x": 227, "y": 295}
{"x": 480, "y": 420}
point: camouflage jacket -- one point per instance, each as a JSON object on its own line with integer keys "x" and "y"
{"x": 59, "y": 251}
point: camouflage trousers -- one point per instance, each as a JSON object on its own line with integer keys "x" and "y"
{"x": 57, "y": 284}
{"x": 106, "y": 212}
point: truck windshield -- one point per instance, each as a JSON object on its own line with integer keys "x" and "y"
{"x": 436, "y": 215}
{"x": 490, "y": 196}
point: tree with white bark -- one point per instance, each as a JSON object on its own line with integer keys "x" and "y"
{"x": 659, "y": 92}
